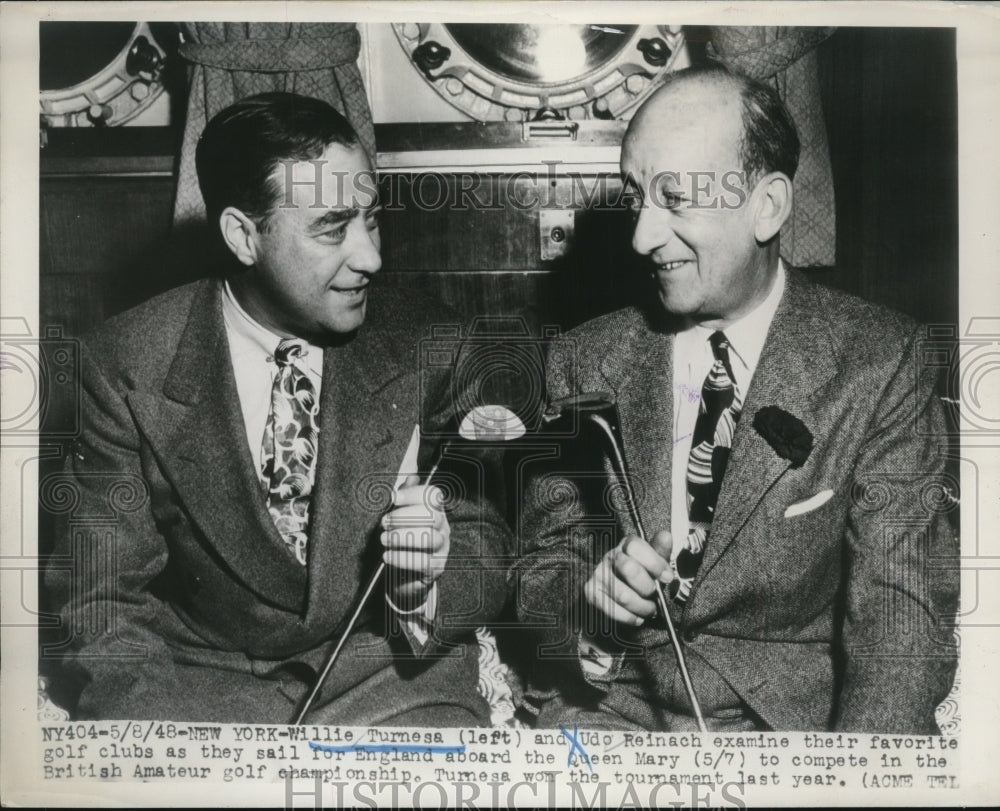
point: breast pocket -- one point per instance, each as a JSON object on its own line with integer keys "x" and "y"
{"x": 803, "y": 550}
{"x": 808, "y": 505}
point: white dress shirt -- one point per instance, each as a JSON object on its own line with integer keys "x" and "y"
{"x": 251, "y": 347}
{"x": 692, "y": 361}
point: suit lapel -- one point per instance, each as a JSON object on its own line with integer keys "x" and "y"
{"x": 793, "y": 367}
{"x": 367, "y": 418}
{"x": 638, "y": 370}
{"x": 196, "y": 430}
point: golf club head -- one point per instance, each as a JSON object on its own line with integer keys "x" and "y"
{"x": 596, "y": 407}
{"x": 587, "y": 404}
{"x": 491, "y": 423}
{"x": 600, "y": 410}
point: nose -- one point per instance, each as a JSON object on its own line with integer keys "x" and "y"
{"x": 366, "y": 256}
{"x": 652, "y": 229}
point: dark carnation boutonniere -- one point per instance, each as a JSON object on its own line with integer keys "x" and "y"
{"x": 784, "y": 432}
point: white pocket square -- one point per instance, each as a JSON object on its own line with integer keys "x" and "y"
{"x": 811, "y": 503}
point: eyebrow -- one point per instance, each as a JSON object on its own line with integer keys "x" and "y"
{"x": 339, "y": 215}
{"x": 333, "y": 217}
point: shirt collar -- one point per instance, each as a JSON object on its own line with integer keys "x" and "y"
{"x": 249, "y": 338}
{"x": 747, "y": 335}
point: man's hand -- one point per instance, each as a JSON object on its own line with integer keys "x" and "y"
{"x": 623, "y": 586}
{"x": 416, "y": 540}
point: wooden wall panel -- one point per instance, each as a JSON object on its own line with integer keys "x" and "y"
{"x": 94, "y": 225}
{"x": 102, "y": 241}
{"x": 488, "y": 260}
{"x": 430, "y": 224}
{"x": 107, "y": 245}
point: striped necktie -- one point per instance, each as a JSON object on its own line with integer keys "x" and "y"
{"x": 718, "y": 413}
{"x": 288, "y": 454}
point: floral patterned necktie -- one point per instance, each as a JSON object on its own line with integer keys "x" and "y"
{"x": 288, "y": 454}
{"x": 718, "y": 413}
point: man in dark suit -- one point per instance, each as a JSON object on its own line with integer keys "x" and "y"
{"x": 785, "y": 443}
{"x": 244, "y": 434}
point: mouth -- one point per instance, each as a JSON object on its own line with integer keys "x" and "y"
{"x": 668, "y": 266}
{"x": 353, "y": 292}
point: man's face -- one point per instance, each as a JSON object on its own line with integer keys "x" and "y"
{"x": 319, "y": 250}
{"x": 694, "y": 221}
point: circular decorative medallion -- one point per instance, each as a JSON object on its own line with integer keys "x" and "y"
{"x": 508, "y": 72}
{"x": 103, "y": 79}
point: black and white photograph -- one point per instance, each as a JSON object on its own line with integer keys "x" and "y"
{"x": 499, "y": 405}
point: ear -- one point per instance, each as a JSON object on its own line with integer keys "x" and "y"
{"x": 240, "y": 235}
{"x": 773, "y": 205}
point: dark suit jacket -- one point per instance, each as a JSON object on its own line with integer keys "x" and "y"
{"x": 169, "y": 545}
{"x": 837, "y": 618}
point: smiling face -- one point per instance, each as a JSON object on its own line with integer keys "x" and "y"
{"x": 682, "y": 152}
{"x": 309, "y": 268}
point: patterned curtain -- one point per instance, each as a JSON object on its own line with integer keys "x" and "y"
{"x": 234, "y": 60}
{"x": 786, "y": 59}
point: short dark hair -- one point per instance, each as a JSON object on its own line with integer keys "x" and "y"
{"x": 242, "y": 145}
{"x": 770, "y": 142}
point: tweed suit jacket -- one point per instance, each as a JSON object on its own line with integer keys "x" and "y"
{"x": 836, "y": 618}
{"x": 210, "y": 618}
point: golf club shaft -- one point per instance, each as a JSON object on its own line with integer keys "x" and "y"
{"x": 661, "y": 599}
{"x": 340, "y": 643}
{"x": 349, "y": 629}
{"x": 618, "y": 460}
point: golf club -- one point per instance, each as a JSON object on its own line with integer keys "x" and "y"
{"x": 600, "y": 409}
{"x": 485, "y": 423}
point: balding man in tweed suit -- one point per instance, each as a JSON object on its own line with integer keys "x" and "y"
{"x": 762, "y": 415}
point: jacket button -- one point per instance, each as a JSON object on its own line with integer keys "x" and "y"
{"x": 690, "y": 636}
